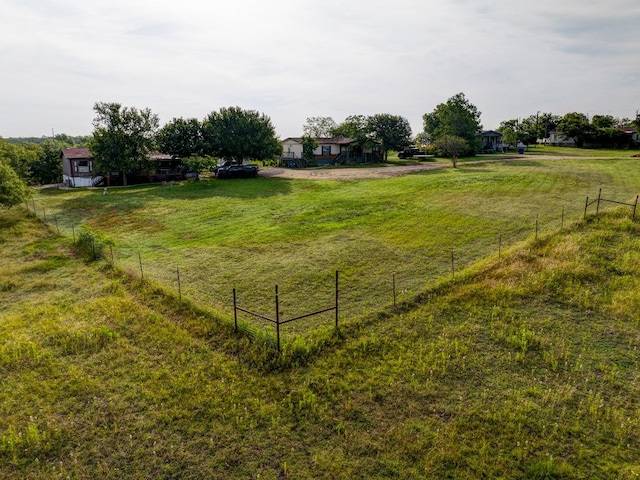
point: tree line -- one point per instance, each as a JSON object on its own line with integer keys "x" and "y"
{"x": 123, "y": 137}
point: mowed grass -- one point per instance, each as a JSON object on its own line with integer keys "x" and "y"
{"x": 525, "y": 366}
{"x": 254, "y": 234}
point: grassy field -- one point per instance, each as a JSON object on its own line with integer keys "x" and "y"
{"x": 252, "y": 234}
{"x": 525, "y": 366}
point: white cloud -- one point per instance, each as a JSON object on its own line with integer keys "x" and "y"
{"x": 293, "y": 60}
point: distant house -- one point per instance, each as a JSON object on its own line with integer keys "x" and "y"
{"x": 491, "y": 141}
{"x": 559, "y": 139}
{"x": 330, "y": 151}
{"x": 78, "y": 170}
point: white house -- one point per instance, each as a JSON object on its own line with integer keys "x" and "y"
{"x": 333, "y": 150}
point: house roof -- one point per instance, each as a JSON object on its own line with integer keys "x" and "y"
{"x": 490, "y": 133}
{"x": 324, "y": 141}
{"x": 76, "y": 153}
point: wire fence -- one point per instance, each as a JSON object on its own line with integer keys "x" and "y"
{"x": 358, "y": 296}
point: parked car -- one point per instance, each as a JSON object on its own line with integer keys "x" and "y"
{"x": 413, "y": 152}
{"x": 237, "y": 171}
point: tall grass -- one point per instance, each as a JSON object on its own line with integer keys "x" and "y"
{"x": 523, "y": 366}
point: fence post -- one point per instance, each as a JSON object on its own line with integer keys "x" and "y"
{"x": 277, "y": 319}
{"x": 537, "y": 226}
{"x": 179, "y": 285}
{"x": 453, "y": 267}
{"x": 337, "y": 291}
{"x": 598, "y": 206}
{"x": 586, "y": 205}
{"x": 141, "y": 271}
{"x": 235, "y": 312}
{"x": 635, "y": 206}
{"x": 500, "y": 247}
{"x": 562, "y": 221}
{"x": 394, "y": 289}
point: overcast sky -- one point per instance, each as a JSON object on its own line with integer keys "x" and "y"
{"x": 297, "y": 59}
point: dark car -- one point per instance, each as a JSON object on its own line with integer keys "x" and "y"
{"x": 237, "y": 171}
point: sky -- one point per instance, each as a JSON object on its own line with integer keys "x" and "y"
{"x": 292, "y": 60}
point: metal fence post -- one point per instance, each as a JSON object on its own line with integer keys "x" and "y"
{"x": 562, "y": 220}
{"x": 141, "y": 270}
{"x": 179, "y": 285}
{"x": 235, "y": 312}
{"x": 500, "y": 247}
{"x": 453, "y": 266}
{"x": 394, "y": 289}
{"x": 598, "y": 206}
{"x": 277, "y": 319}
{"x": 586, "y": 205}
{"x": 635, "y": 206}
{"x": 337, "y": 292}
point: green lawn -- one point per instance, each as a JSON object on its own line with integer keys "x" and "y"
{"x": 251, "y": 234}
{"x": 524, "y": 367}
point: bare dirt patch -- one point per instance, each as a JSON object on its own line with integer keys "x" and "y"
{"x": 323, "y": 173}
{"x": 385, "y": 171}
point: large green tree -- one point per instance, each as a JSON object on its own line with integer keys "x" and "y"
{"x": 46, "y": 168}
{"x": 576, "y": 125}
{"x": 392, "y": 132}
{"x": 181, "y": 138}
{"x": 357, "y": 128}
{"x": 239, "y": 134}
{"x": 457, "y": 117}
{"x": 12, "y": 189}
{"x": 319, "y": 127}
{"x": 122, "y": 139}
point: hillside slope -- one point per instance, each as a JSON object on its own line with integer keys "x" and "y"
{"x": 524, "y": 366}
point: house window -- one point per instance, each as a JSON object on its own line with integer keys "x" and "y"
{"x": 83, "y": 166}
{"x": 326, "y": 149}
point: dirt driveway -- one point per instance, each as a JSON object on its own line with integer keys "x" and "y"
{"x": 324, "y": 173}
{"x": 348, "y": 173}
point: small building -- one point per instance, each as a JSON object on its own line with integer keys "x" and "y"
{"x": 77, "y": 168}
{"x": 491, "y": 141}
{"x": 330, "y": 151}
{"x": 559, "y": 139}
